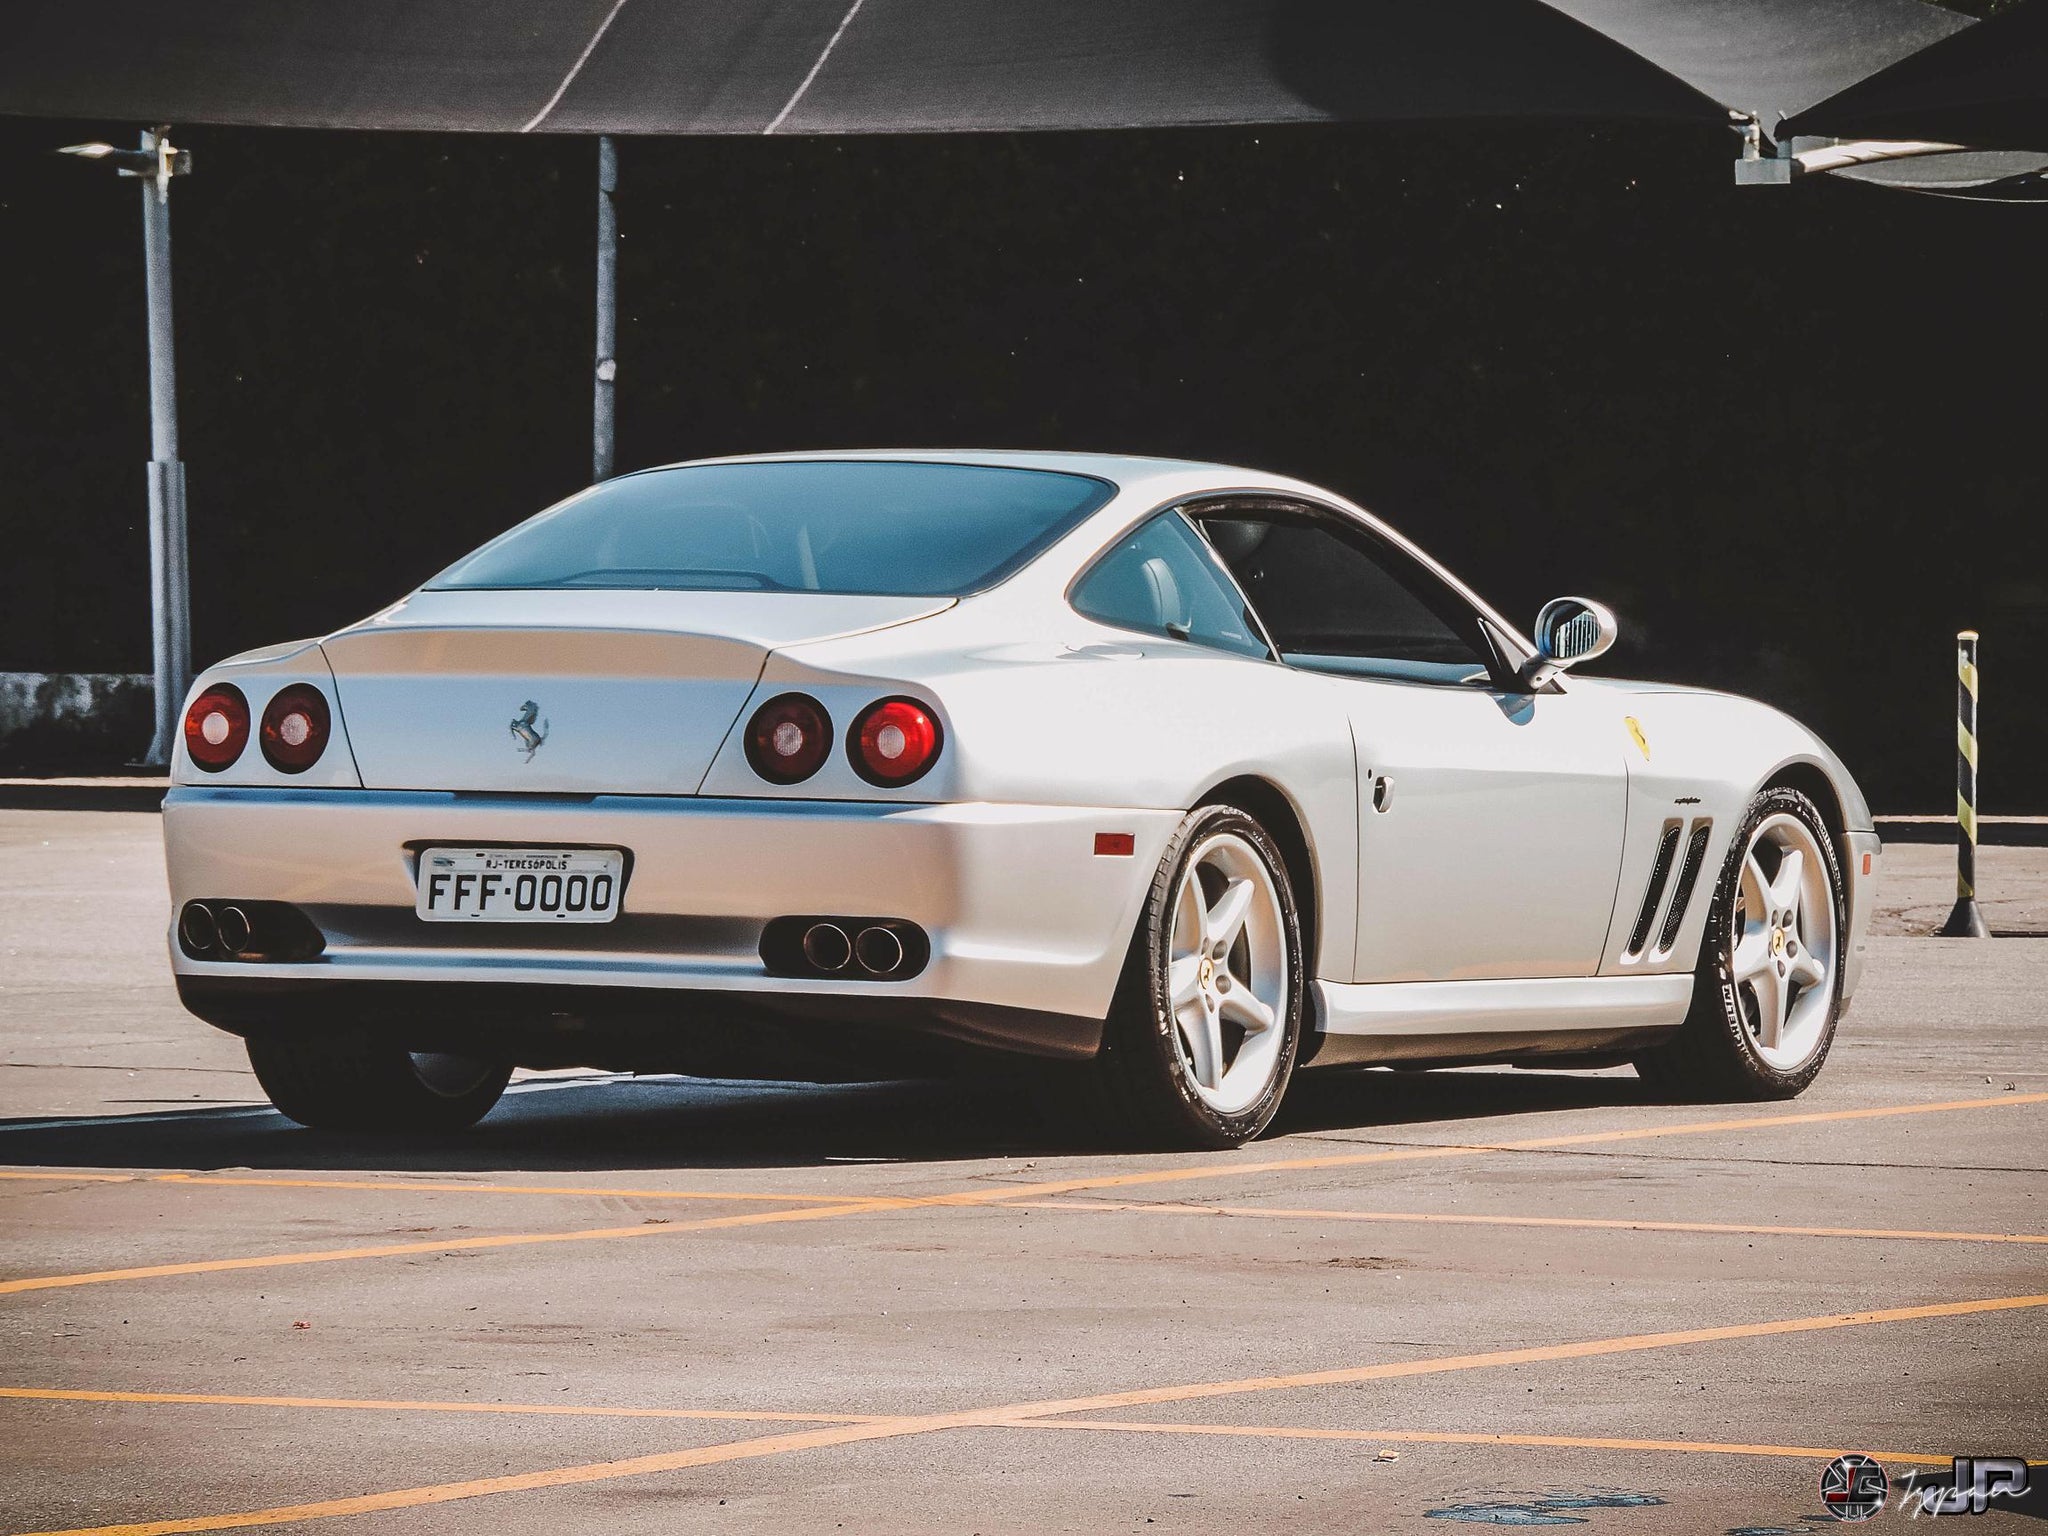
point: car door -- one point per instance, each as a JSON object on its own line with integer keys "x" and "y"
{"x": 1490, "y": 819}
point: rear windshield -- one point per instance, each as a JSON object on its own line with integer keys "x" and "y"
{"x": 863, "y": 526}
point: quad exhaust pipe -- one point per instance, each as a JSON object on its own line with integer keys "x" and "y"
{"x": 247, "y": 930}
{"x": 235, "y": 929}
{"x": 875, "y": 949}
{"x": 879, "y": 951}
{"x": 847, "y": 948}
{"x": 197, "y": 928}
{"x": 827, "y": 947}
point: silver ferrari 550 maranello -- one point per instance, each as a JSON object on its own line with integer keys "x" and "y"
{"x": 856, "y": 764}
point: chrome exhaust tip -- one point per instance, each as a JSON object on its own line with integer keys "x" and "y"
{"x": 197, "y": 928}
{"x": 879, "y": 950}
{"x": 826, "y": 947}
{"x": 234, "y": 928}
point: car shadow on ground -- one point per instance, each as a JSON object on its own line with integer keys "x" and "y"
{"x": 677, "y": 1123}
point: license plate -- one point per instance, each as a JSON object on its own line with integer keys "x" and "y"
{"x": 520, "y": 885}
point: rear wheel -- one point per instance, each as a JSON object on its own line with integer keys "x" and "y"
{"x": 1202, "y": 1038}
{"x": 1768, "y": 989}
{"x": 354, "y": 1083}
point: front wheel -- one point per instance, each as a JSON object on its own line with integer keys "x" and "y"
{"x": 1768, "y": 989}
{"x": 355, "y": 1083}
{"x": 1202, "y": 1038}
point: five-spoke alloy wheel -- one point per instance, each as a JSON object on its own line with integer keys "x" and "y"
{"x": 1227, "y": 975}
{"x": 1203, "y": 1038}
{"x": 1783, "y": 941}
{"x": 1768, "y": 989}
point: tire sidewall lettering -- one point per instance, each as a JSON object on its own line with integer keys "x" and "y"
{"x": 1201, "y": 824}
{"x": 1771, "y": 802}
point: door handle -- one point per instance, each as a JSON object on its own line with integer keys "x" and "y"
{"x": 1382, "y": 792}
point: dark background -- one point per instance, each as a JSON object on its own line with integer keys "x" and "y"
{"x": 1794, "y": 435}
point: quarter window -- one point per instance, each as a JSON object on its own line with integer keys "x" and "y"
{"x": 1163, "y": 579}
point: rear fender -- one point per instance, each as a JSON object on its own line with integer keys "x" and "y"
{"x": 1089, "y": 716}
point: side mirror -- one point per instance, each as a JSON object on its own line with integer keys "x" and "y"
{"x": 1569, "y": 630}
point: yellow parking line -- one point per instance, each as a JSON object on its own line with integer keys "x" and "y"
{"x": 1481, "y": 1149}
{"x": 1459, "y": 1218}
{"x": 1022, "y": 1415}
{"x": 402, "y": 1405}
{"x": 522, "y": 1482}
{"x": 1536, "y": 1355}
{"x": 457, "y": 1186}
{"x": 444, "y": 1245}
{"x": 1437, "y": 1437}
{"x": 401, "y": 1185}
{"x": 1004, "y": 1193}
{"x": 1127, "y": 1426}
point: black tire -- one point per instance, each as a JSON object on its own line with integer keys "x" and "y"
{"x": 1145, "y": 1084}
{"x": 1713, "y": 1055}
{"x": 353, "y": 1083}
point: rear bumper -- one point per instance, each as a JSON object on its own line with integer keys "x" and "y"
{"x": 1028, "y": 926}
{"x": 725, "y": 1033}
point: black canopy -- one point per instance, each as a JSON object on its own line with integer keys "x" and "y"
{"x": 1987, "y": 87}
{"x": 880, "y": 66}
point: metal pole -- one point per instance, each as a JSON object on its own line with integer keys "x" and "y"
{"x": 603, "y": 433}
{"x": 1965, "y": 920}
{"x": 170, "y": 608}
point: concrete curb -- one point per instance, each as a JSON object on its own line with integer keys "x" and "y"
{"x": 82, "y": 794}
{"x": 1998, "y": 831}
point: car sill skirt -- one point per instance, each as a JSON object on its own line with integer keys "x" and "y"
{"x": 1406, "y": 1021}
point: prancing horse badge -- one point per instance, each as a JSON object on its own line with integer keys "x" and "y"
{"x": 1635, "y": 729}
{"x": 524, "y": 735}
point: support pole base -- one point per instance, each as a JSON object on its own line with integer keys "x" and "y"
{"x": 1965, "y": 921}
{"x": 170, "y": 605}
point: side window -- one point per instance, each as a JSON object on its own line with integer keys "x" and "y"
{"x": 1164, "y": 580}
{"x": 1335, "y": 599}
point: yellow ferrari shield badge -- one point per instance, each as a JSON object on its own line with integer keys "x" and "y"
{"x": 1635, "y": 729}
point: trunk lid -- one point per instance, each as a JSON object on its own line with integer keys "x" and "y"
{"x": 578, "y": 692}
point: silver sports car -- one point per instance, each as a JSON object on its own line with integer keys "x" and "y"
{"x": 855, "y": 764}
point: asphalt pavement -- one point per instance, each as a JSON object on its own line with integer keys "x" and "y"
{"x": 663, "y": 1304}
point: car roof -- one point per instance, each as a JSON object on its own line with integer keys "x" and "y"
{"x": 1135, "y": 476}
{"x": 1128, "y": 471}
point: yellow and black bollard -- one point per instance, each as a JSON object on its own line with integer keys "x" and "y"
{"x": 1965, "y": 920}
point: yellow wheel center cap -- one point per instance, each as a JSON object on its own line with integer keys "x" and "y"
{"x": 1777, "y": 941}
{"x": 1208, "y": 972}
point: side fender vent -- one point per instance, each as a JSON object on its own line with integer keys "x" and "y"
{"x": 1688, "y": 877}
{"x": 1653, "y": 896}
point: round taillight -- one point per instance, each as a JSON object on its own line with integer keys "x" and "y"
{"x": 217, "y": 727}
{"x": 295, "y": 726}
{"x": 789, "y": 738}
{"x": 894, "y": 742}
